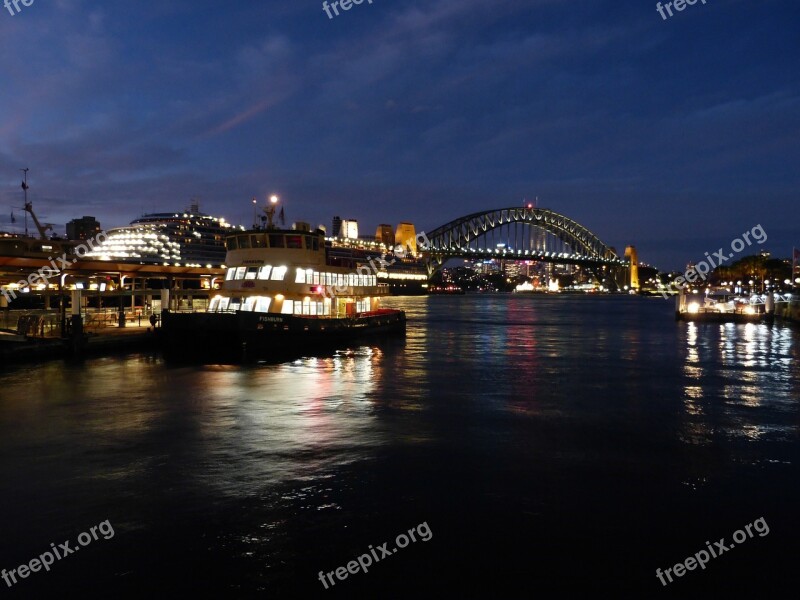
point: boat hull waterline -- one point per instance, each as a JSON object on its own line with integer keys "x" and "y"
{"x": 244, "y": 336}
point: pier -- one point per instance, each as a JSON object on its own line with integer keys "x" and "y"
{"x": 113, "y": 301}
{"x": 736, "y": 309}
{"x": 789, "y": 311}
{"x": 16, "y": 348}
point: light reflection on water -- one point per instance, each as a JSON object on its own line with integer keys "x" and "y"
{"x": 517, "y": 355}
{"x": 515, "y": 383}
{"x": 732, "y": 370}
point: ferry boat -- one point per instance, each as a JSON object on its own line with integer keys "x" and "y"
{"x": 724, "y": 308}
{"x": 283, "y": 296}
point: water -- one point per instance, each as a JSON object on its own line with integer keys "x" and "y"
{"x": 552, "y": 445}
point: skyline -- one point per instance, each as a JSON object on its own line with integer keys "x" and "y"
{"x": 673, "y": 136}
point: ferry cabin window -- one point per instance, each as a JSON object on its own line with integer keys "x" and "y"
{"x": 258, "y": 241}
{"x": 230, "y": 274}
{"x": 251, "y": 273}
{"x": 214, "y": 304}
{"x": 294, "y": 241}
{"x": 301, "y": 276}
{"x": 315, "y": 278}
{"x": 306, "y": 307}
{"x": 235, "y": 304}
{"x": 240, "y": 271}
{"x": 278, "y": 273}
{"x": 231, "y": 244}
{"x": 276, "y": 241}
{"x": 244, "y": 242}
{"x": 263, "y": 272}
{"x": 262, "y": 303}
{"x": 247, "y": 303}
{"x": 223, "y": 304}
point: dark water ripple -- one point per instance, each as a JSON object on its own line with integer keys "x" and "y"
{"x": 553, "y": 444}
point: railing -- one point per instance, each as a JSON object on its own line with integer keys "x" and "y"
{"x": 376, "y": 313}
{"x": 41, "y": 325}
{"x": 47, "y": 323}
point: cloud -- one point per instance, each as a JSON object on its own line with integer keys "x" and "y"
{"x": 400, "y": 107}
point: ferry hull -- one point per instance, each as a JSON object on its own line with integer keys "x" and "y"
{"x": 230, "y": 338}
{"x": 718, "y": 317}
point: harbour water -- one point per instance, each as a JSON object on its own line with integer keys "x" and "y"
{"x": 552, "y": 445}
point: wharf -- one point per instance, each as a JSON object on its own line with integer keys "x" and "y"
{"x": 19, "y": 349}
{"x": 755, "y": 308}
{"x": 789, "y": 312}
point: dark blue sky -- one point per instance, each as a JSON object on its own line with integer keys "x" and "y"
{"x": 675, "y": 136}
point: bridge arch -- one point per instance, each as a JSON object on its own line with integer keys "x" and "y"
{"x": 456, "y": 236}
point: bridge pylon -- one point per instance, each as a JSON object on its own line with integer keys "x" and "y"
{"x": 633, "y": 270}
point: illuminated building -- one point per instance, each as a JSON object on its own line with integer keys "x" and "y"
{"x": 349, "y": 229}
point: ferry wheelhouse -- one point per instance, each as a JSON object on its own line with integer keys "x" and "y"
{"x": 283, "y": 294}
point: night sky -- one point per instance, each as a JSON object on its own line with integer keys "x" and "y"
{"x": 674, "y": 135}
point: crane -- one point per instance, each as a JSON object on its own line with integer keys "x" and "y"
{"x": 42, "y": 228}
{"x": 29, "y": 209}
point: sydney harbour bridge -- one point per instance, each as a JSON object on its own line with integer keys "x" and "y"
{"x": 527, "y": 233}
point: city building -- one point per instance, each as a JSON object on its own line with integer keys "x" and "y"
{"x": 83, "y": 229}
{"x": 515, "y": 268}
{"x": 336, "y": 229}
{"x": 349, "y": 229}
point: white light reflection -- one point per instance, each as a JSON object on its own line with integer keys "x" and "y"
{"x": 739, "y": 382}
{"x": 275, "y": 422}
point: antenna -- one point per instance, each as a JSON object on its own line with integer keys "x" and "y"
{"x": 25, "y": 190}
{"x": 270, "y": 211}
